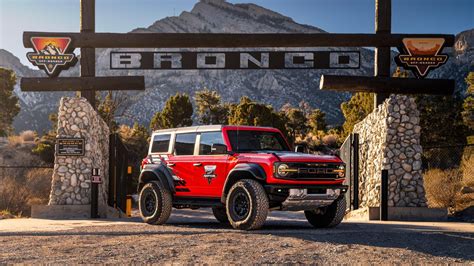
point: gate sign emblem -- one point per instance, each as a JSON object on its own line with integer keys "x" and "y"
{"x": 422, "y": 55}
{"x": 52, "y": 54}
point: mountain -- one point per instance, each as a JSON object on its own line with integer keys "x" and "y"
{"x": 275, "y": 87}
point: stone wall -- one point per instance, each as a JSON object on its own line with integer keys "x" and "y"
{"x": 390, "y": 140}
{"x": 71, "y": 184}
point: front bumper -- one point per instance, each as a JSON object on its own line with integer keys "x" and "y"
{"x": 297, "y": 198}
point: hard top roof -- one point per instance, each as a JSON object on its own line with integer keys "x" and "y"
{"x": 206, "y": 128}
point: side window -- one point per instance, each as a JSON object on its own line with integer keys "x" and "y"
{"x": 184, "y": 144}
{"x": 207, "y": 140}
{"x": 160, "y": 143}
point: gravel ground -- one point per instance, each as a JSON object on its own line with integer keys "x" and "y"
{"x": 195, "y": 237}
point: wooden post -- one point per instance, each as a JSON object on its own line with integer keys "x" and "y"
{"x": 383, "y": 25}
{"x": 88, "y": 53}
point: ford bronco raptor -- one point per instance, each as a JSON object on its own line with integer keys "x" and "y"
{"x": 242, "y": 173}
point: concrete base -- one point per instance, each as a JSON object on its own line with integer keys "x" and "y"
{"x": 61, "y": 211}
{"x": 72, "y": 212}
{"x": 400, "y": 214}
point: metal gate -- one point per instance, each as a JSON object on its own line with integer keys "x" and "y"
{"x": 119, "y": 179}
{"x": 350, "y": 156}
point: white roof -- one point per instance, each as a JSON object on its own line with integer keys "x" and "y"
{"x": 190, "y": 129}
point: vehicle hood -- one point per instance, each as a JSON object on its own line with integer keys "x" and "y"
{"x": 297, "y": 157}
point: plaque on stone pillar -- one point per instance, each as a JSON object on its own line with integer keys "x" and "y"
{"x": 70, "y": 147}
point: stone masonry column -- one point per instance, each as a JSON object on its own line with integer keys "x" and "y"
{"x": 71, "y": 182}
{"x": 390, "y": 140}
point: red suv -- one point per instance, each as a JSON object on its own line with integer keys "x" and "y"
{"x": 242, "y": 173}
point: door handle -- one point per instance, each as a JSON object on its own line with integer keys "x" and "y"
{"x": 197, "y": 164}
{"x": 171, "y": 164}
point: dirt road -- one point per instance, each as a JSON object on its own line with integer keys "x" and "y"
{"x": 195, "y": 237}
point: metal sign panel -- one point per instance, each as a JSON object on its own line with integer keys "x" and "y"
{"x": 235, "y": 60}
{"x": 421, "y": 55}
{"x": 52, "y": 54}
{"x": 70, "y": 147}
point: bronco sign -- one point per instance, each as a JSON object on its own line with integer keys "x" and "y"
{"x": 422, "y": 55}
{"x": 52, "y": 54}
{"x": 236, "y": 60}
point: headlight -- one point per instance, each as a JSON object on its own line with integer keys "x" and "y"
{"x": 341, "y": 170}
{"x": 283, "y": 170}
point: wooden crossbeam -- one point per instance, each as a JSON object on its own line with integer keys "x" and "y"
{"x": 387, "y": 85}
{"x": 231, "y": 40}
{"x": 83, "y": 83}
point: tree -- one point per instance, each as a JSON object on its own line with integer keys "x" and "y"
{"x": 317, "y": 121}
{"x": 109, "y": 107}
{"x": 468, "y": 105}
{"x": 136, "y": 139}
{"x": 157, "y": 121}
{"x": 441, "y": 120}
{"x": 45, "y": 145}
{"x": 209, "y": 107}
{"x": 250, "y": 113}
{"x": 357, "y": 108}
{"x": 296, "y": 122}
{"x": 177, "y": 112}
{"x": 9, "y": 107}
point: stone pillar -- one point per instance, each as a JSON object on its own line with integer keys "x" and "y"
{"x": 71, "y": 183}
{"x": 390, "y": 140}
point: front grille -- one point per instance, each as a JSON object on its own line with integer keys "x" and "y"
{"x": 316, "y": 171}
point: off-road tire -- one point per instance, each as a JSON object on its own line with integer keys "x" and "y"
{"x": 257, "y": 204}
{"x": 163, "y": 203}
{"x": 329, "y": 216}
{"x": 221, "y": 214}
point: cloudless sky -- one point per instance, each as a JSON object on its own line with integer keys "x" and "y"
{"x": 338, "y": 16}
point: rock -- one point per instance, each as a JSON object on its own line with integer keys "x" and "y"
{"x": 409, "y": 189}
{"x": 417, "y": 165}
{"x": 407, "y": 167}
{"x": 85, "y": 185}
{"x": 73, "y": 180}
{"x": 62, "y": 169}
{"x": 407, "y": 176}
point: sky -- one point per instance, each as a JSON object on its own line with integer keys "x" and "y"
{"x": 336, "y": 16}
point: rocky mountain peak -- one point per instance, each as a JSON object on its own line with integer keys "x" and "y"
{"x": 218, "y": 16}
{"x": 464, "y": 41}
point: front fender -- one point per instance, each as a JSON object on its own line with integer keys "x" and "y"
{"x": 243, "y": 171}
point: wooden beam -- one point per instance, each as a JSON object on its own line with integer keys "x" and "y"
{"x": 83, "y": 83}
{"x": 87, "y": 15}
{"x": 383, "y": 56}
{"x": 387, "y": 85}
{"x": 231, "y": 40}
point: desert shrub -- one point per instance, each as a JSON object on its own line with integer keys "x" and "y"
{"x": 468, "y": 167}
{"x": 38, "y": 182}
{"x": 442, "y": 187}
{"x": 19, "y": 192}
{"x": 28, "y": 135}
{"x": 15, "y": 141}
{"x": 13, "y": 195}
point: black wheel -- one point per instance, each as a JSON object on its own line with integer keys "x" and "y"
{"x": 220, "y": 214}
{"x": 155, "y": 203}
{"x": 247, "y": 205}
{"x": 329, "y": 216}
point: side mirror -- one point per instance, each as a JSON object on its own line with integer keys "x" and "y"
{"x": 299, "y": 148}
{"x": 218, "y": 148}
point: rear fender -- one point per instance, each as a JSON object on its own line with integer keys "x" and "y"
{"x": 156, "y": 172}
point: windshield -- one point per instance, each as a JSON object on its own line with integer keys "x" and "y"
{"x": 249, "y": 140}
